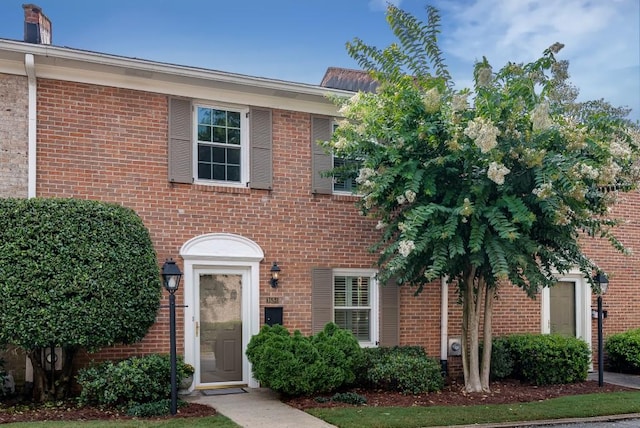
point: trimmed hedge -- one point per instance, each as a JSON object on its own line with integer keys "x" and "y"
{"x": 298, "y": 365}
{"x": 406, "y": 369}
{"x": 542, "y": 359}
{"x": 79, "y": 273}
{"x": 623, "y": 351}
{"x": 136, "y": 380}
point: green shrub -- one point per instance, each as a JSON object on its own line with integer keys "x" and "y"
{"x": 340, "y": 349}
{"x": 152, "y": 409}
{"x": 546, "y": 359}
{"x": 623, "y": 351}
{"x": 349, "y": 398}
{"x": 502, "y": 360}
{"x": 298, "y": 365}
{"x": 405, "y": 369}
{"x": 132, "y": 381}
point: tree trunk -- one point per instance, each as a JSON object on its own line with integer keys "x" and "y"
{"x": 67, "y": 369}
{"x": 485, "y": 370}
{"x": 39, "y": 376}
{"x": 51, "y": 385}
{"x": 472, "y": 302}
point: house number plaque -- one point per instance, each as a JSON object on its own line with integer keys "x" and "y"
{"x": 273, "y": 300}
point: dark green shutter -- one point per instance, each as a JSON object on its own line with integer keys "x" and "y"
{"x": 321, "y": 161}
{"x": 389, "y": 314}
{"x": 180, "y": 147}
{"x": 261, "y": 149}
{"x": 321, "y": 298}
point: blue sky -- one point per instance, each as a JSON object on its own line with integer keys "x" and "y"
{"x": 296, "y": 40}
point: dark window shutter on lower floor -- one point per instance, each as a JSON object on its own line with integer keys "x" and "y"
{"x": 389, "y": 314}
{"x": 322, "y": 298}
{"x": 261, "y": 174}
{"x": 321, "y": 161}
{"x": 180, "y": 147}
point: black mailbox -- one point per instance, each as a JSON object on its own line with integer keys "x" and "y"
{"x": 273, "y": 315}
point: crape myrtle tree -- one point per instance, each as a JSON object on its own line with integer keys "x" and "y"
{"x": 481, "y": 186}
{"x": 74, "y": 274}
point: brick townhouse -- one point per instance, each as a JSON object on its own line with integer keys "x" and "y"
{"x": 225, "y": 172}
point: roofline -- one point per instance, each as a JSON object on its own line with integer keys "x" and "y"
{"x": 60, "y": 57}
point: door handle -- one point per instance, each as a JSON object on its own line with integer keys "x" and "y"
{"x": 197, "y": 328}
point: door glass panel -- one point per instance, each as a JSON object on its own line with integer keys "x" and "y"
{"x": 220, "y": 328}
{"x": 563, "y": 309}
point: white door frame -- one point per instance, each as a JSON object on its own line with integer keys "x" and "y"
{"x": 218, "y": 251}
{"x": 582, "y": 304}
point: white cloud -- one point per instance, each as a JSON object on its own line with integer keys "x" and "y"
{"x": 601, "y": 40}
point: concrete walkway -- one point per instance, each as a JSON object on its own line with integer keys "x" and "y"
{"x": 262, "y": 408}
{"x": 258, "y": 408}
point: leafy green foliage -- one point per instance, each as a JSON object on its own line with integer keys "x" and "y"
{"x": 349, "y": 398}
{"x": 299, "y": 365}
{"x": 405, "y": 369}
{"x": 78, "y": 273}
{"x": 503, "y": 189}
{"x": 623, "y": 351}
{"x": 151, "y": 409}
{"x": 502, "y": 359}
{"x": 144, "y": 379}
{"x": 487, "y": 185}
{"x": 544, "y": 359}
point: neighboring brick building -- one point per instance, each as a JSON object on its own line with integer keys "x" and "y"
{"x": 224, "y": 171}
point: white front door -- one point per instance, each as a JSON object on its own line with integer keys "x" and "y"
{"x": 219, "y": 335}
{"x": 222, "y": 307}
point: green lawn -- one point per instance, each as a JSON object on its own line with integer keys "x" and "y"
{"x": 575, "y": 406}
{"x": 217, "y": 421}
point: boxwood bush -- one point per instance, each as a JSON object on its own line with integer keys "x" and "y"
{"x": 407, "y": 369}
{"x": 294, "y": 364}
{"x": 542, "y": 359}
{"x": 623, "y": 351}
{"x": 136, "y": 380}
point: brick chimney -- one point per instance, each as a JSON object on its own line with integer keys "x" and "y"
{"x": 37, "y": 27}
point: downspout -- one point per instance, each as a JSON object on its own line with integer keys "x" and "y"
{"x": 444, "y": 326}
{"x": 29, "y": 65}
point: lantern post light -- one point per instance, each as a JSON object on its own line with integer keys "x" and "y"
{"x": 602, "y": 280}
{"x": 171, "y": 275}
{"x": 275, "y": 273}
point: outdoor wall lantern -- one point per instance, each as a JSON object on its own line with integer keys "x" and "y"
{"x": 603, "y": 282}
{"x": 275, "y": 273}
{"x": 171, "y": 275}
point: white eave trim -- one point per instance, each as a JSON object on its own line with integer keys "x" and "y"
{"x": 90, "y": 67}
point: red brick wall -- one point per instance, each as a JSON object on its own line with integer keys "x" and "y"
{"x": 111, "y": 144}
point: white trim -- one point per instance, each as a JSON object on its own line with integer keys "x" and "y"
{"x": 374, "y": 296}
{"x": 214, "y": 251}
{"x": 444, "y": 319}
{"x": 53, "y": 62}
{"x": 245, "y": 164}
{"x": 29, "y": 66}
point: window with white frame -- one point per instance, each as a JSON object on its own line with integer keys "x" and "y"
{"x": 355, "y": 304}
{"x": 221, "y": 145}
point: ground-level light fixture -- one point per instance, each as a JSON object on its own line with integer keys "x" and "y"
{"x": 275, "y": 274}
{"x": 171, "y": 276}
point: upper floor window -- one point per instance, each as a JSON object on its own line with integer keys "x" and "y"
{"x": 344, "y": 179}
{"x": 221, "y": 152}
{"x": 346, "y": 172}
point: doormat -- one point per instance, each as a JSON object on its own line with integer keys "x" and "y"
{"x": 222, "y": 391}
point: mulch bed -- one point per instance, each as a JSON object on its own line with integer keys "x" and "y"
{"x": 452, "y": 395}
